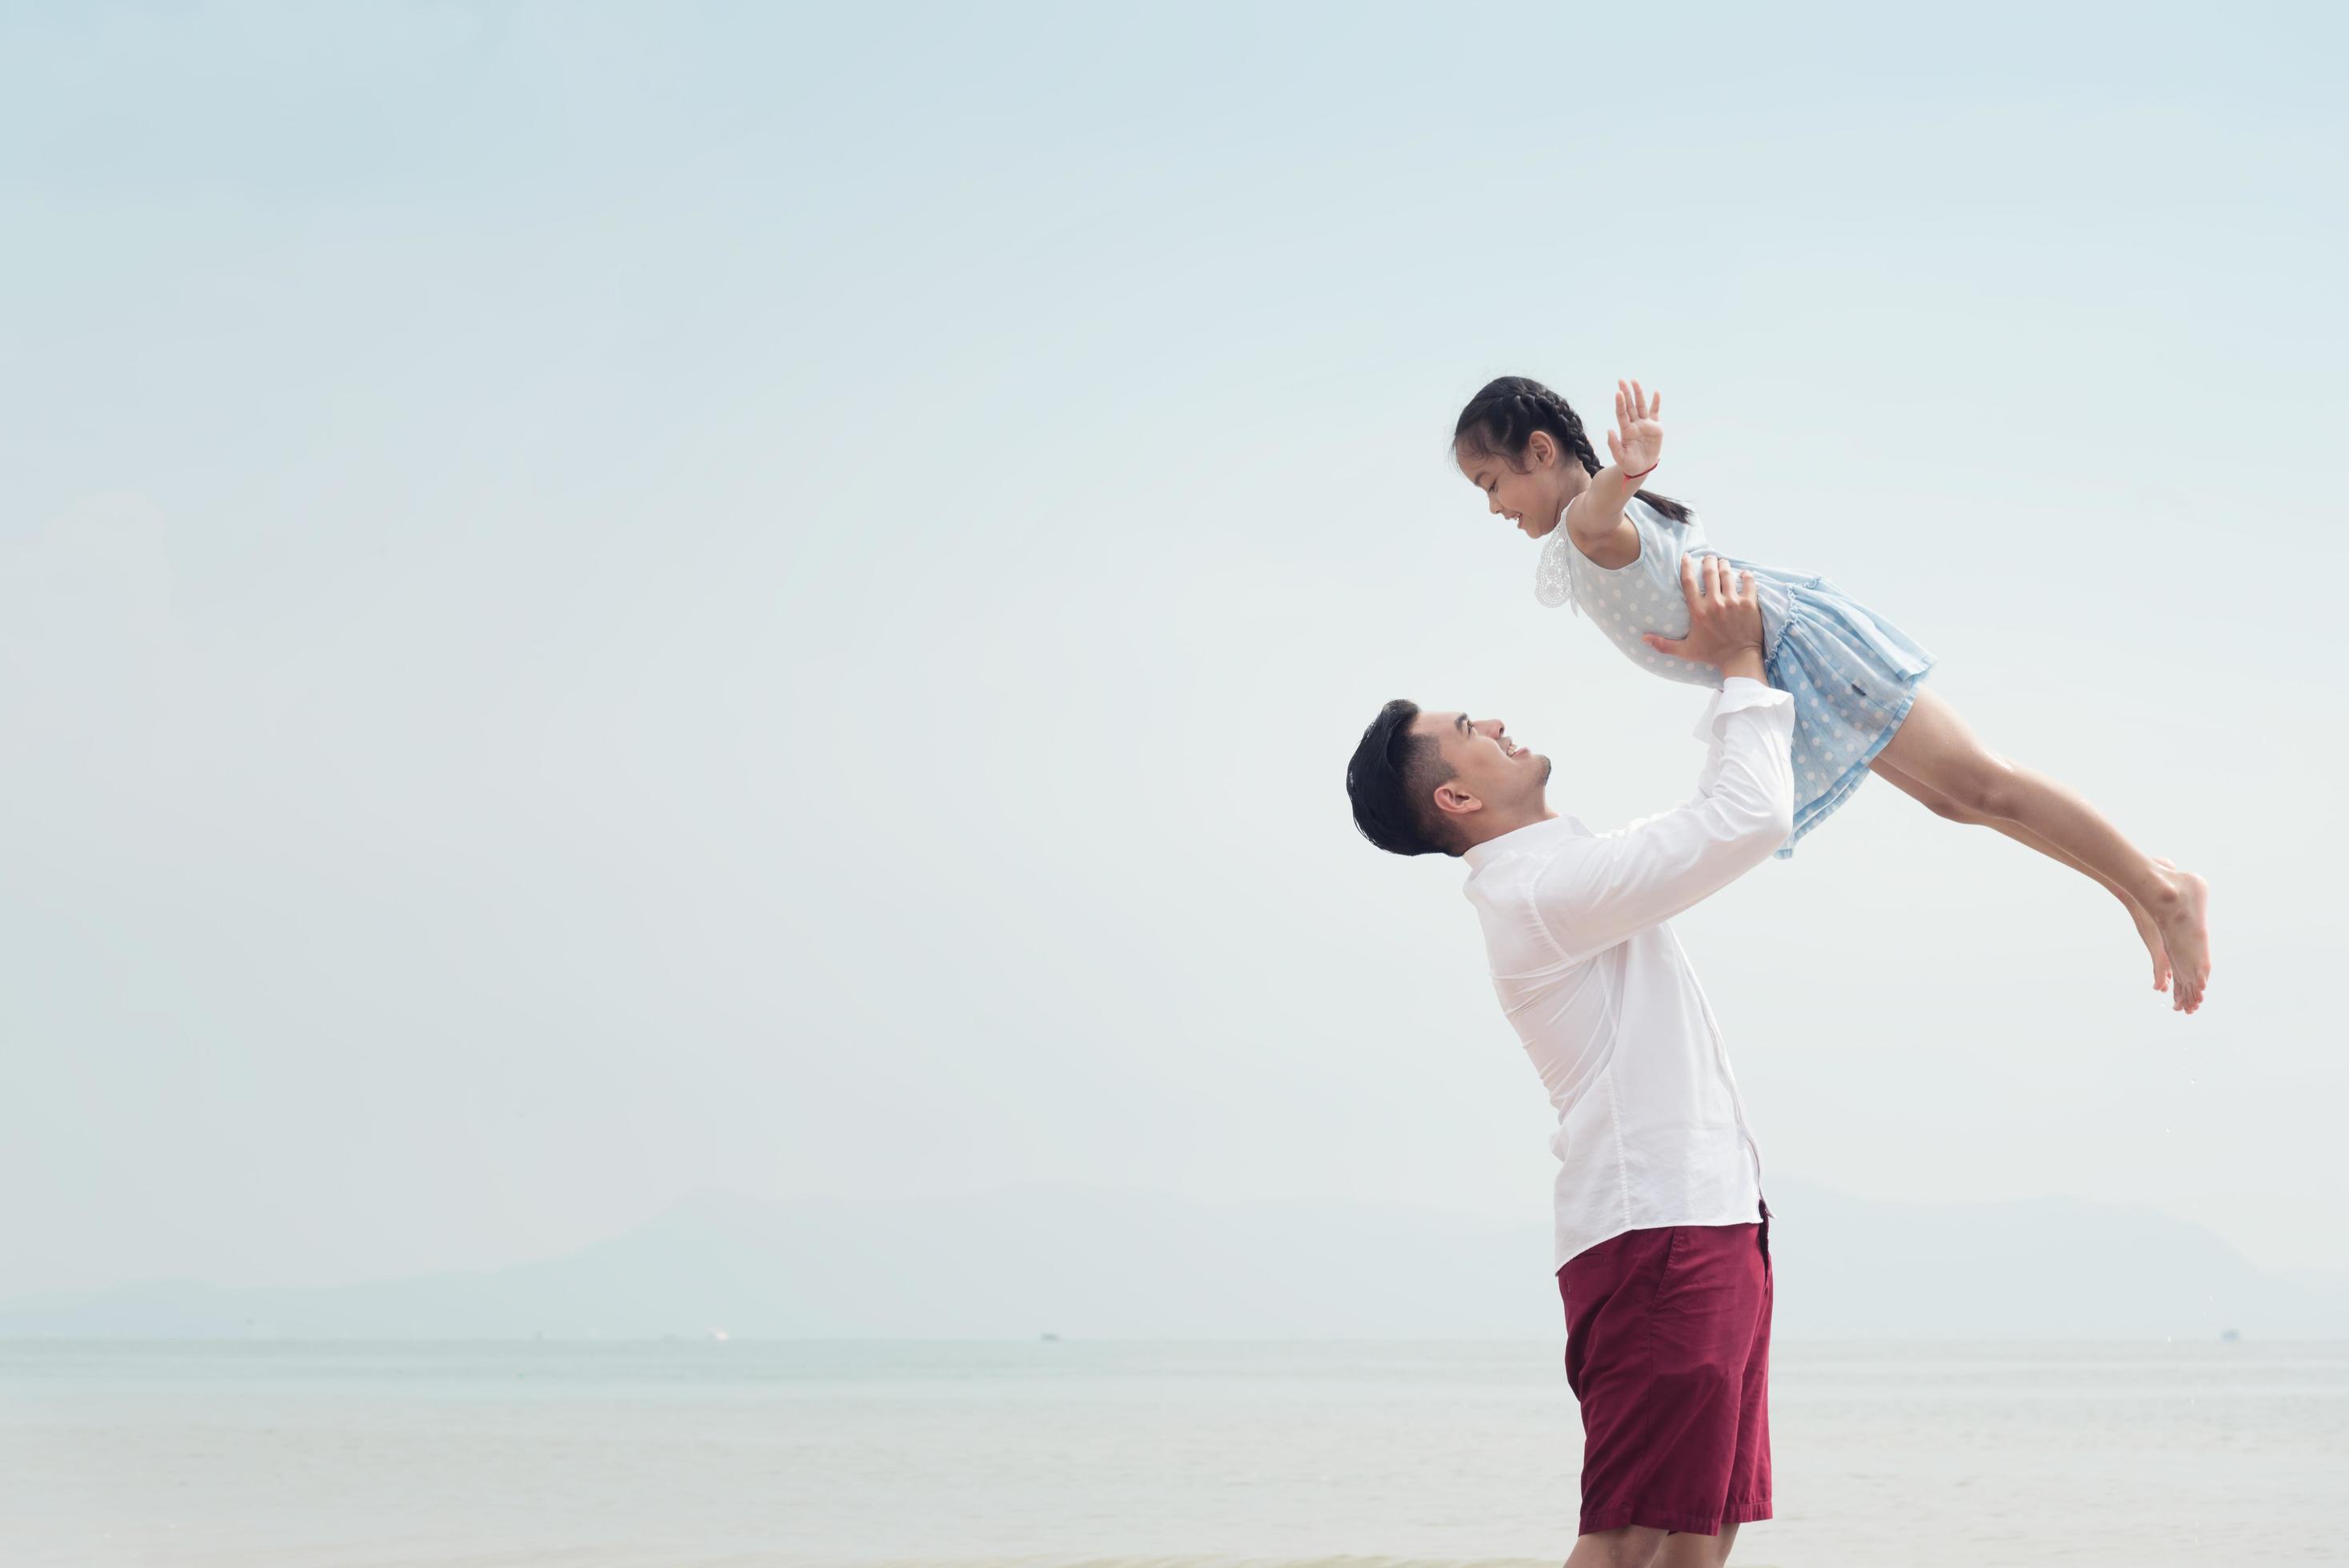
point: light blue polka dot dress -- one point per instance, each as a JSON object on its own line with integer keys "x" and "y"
{"x": 1852, "y": 673}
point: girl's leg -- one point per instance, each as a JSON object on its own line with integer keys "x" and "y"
{"x": 1940, "y": 805}
{"x": 1934, "y": 748}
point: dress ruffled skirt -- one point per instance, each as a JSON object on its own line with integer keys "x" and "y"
{"x": 1853, "y": 676}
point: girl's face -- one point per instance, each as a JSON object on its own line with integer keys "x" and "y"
{"x": 1533, "y": 498}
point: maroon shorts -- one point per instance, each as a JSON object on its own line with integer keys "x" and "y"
{"x": 1668, "y": 1350}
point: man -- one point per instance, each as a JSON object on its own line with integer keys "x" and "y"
{"x": 1663, "y": 1237}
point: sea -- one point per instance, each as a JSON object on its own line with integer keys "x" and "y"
{"x": 1126, "y": 1454}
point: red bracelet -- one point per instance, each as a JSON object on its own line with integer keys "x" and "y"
{"x": 1643, "y": 473}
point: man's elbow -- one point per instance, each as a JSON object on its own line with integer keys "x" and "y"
{"x": 1766, "y": 829}
{"x": 1763, "y": 808}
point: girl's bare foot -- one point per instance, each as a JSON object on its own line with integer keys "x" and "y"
{"x": 2185, "y": 923}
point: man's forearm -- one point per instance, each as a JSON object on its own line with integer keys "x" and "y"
{"x": 1598, "y": 890}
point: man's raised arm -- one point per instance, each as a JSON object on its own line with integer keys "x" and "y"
{"x": 1596, "y": 891}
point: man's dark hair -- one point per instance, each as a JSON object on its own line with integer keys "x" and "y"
{"x": 1390, "y": 780}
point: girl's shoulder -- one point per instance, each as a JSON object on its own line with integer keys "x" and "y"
{"x": 1671, "y": 536}
{"x": 1565, "y": 574}
{"x": 1639, "y": 507}
{"x": 1662, "y": 532}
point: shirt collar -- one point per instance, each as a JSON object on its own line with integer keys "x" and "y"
{"x": 1479, "y": 856}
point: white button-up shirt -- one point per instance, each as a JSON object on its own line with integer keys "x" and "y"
{"x": 1650, "y": 1130}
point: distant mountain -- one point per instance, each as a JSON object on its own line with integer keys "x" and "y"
{"x": 1088, "y": 1261}
{"x": 2049, "y": 1268}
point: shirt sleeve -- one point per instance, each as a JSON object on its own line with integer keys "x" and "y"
{"x": 1596, "y": 891}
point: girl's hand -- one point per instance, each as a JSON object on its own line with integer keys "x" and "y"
{"x": 1637, "y": 441}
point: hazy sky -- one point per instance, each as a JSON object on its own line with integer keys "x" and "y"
{"x": 598, "y": 602}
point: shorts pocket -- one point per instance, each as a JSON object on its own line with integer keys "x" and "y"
{"x": 1672, "y": 1253}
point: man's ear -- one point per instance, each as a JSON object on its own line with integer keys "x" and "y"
{"x": 1453, "y": 801}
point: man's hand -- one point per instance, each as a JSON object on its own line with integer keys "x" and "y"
{"x": 1724, "y": 619}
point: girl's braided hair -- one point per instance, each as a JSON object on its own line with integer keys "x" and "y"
{"x": 1501, "y": 419}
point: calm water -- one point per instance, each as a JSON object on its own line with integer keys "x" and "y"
{"x": 681, "y": 1455}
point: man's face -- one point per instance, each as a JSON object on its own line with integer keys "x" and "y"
{"x": 1494, "y": 779}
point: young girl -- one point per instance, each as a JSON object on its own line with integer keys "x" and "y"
{"x": 1854, "y": 677}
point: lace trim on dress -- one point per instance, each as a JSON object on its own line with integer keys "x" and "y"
{"x": 1554, "y": 575}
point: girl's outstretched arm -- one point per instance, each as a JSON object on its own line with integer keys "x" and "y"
{"x": 1594, "y": 519}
